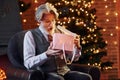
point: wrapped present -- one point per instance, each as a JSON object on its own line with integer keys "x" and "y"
{"x": 63, "y": 42}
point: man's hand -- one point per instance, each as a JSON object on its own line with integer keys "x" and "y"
{"x": 53, "y": 52}
{"x": 77, "y": 42}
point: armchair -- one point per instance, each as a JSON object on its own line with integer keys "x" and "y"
{"x": 15, "y": 73}
{"x": 12, "y": 63}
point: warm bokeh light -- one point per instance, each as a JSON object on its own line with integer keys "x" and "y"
{"x": 104, "y": 29}
{"x": 35, "y": 1}
{"x": 107, "y": 20}
{"x": 106, "y": 6}
{"x": 115, "y": 42}
{"x": 105, "y": 0}
{"x": 111, "y": 34}
{"x": 24, "y": 20}
{"x": 116, "y": 14}
{"x": 20, "y": 13}
{"x": 116, "y": 27}
{"x": 114, "y": 1}
{"x": 2, "y": 75}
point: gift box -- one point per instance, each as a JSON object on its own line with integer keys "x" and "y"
{"x": 63, "y": 42}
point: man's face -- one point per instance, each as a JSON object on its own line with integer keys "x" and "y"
{"x": 48, "y": 22}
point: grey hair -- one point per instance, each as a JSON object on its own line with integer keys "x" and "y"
{"x": 45, "y": 8}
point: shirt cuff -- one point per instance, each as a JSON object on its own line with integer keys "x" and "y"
{"x": 44, "y": 56}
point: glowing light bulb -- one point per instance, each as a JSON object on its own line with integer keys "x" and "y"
{"x": 58, "y": 3}
{"x": 104, "y": 29}
{"x": 20, "y": 13}
{"x": 88, "y": 63}
{"x": 116, "y": 13}
{"x": 35, "y": 1}
{"x": 114, "y": 1}
{"x": 117, "y": 27}
{"x": 106, "y": 6}
{"x": 107, "y": 13}
{"x": 92, "y": 2}
{"x": 83, "y": 42}
{"x": 106, "y": 42}
{"x": 2, "y": 75}
{"x": 24, "y": 20}
{"x": 107, "y": 20}
{"x": 22, "y": 5}
{"x": 115, "y": 42}
{"x": 111, "y": 34}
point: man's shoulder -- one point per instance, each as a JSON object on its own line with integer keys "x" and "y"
{"x": 30, "y": 31}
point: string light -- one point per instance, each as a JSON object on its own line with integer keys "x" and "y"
{"x": 35, "y": 1}
{"x": 105, "y": 0}
{"x": 24, "y": 20}
{"x": 22, "y": 5}
{"x": 116, "y": 14}
{"x": 106, "y": 6}
{"x": 106, "y": 42}
{"x": 107, "y": 13}
{"x": 115, "y": 43}
{"x": 2, "y": 75}
{"x": 92, "y": 2}
{"x": 111, "y": 34}
{"x": 114, "y": 1}
{"x": 88, "y": 64}
{"x": 20, "y": 13}
{"x": 104, "y": 30}
{"x": 116, "y": 27}
{"x": 107, "y": 20}
{"x": 83, "y": 42}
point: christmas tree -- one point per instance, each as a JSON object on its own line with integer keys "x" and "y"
{"x": 79, "y": 17}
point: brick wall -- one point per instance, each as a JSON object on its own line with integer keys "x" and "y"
{"x": 107, "y": 18}
{"x": 118, "y": 9}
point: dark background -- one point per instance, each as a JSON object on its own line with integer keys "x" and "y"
{"x": 10, "y": 22}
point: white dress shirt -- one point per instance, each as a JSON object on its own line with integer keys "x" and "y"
{"x": 30, "y": 59}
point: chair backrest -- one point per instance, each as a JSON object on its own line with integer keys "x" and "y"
{"x": 15, "y": 49}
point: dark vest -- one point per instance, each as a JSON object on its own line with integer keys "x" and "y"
{"x": 41, "y": 46}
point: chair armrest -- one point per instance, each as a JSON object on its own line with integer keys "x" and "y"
{"x": 92, "y": 70}
{"x": 21, "y": 74}
{"x": 14, "y": 73}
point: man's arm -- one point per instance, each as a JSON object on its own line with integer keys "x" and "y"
{"x": 30, "y": 58}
